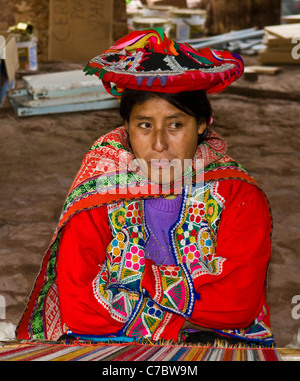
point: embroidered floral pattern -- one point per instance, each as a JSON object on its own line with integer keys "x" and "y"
{"x": 174, "y": 292}
{"x": 195, "y": 234}
{"x": 135, "y": 258}
{"x": 118, "y": 219}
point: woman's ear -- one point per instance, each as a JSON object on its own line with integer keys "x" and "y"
{"x": 126, "y": 126}
{"x": 201, "y": 127}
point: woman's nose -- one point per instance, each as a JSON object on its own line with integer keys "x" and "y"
{"x": 159, "y": 142}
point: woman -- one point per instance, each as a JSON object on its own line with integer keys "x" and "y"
{"x": 151, "y": 243}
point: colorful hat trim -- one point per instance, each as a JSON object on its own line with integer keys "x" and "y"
{"x": 148, "y": 60}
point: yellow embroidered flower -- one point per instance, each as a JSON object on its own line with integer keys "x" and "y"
{"x": 118, "y": 218}
{"x": 212, "y": 210}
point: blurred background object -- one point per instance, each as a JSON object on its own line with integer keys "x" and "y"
{"x": 26, "y": 39}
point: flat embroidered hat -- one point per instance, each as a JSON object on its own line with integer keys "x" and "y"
{"x": 148, "y": 60}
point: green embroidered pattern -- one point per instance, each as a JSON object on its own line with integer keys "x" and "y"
{"x": 110, "y": 143}
{"x": 37, "y": 318}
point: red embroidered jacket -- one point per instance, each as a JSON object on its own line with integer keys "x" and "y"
{"x": 233, "y": 299}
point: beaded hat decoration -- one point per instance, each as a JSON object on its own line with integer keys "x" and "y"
{"x": 148, "y": 60}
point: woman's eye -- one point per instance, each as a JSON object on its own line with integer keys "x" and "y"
{"x": 145, "y": 125}
{"x": 176, "y": 125}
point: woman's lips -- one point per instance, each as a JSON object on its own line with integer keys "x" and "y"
{"x": 163, "y": 163}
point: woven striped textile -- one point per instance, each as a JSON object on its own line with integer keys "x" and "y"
{"x": 132, "y": 352}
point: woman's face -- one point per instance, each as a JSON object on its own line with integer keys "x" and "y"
{"x": 163, "y": 139}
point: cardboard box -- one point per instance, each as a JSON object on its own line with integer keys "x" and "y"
{"x": 79, "y": 30}
{"x": 9, "y": 63}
